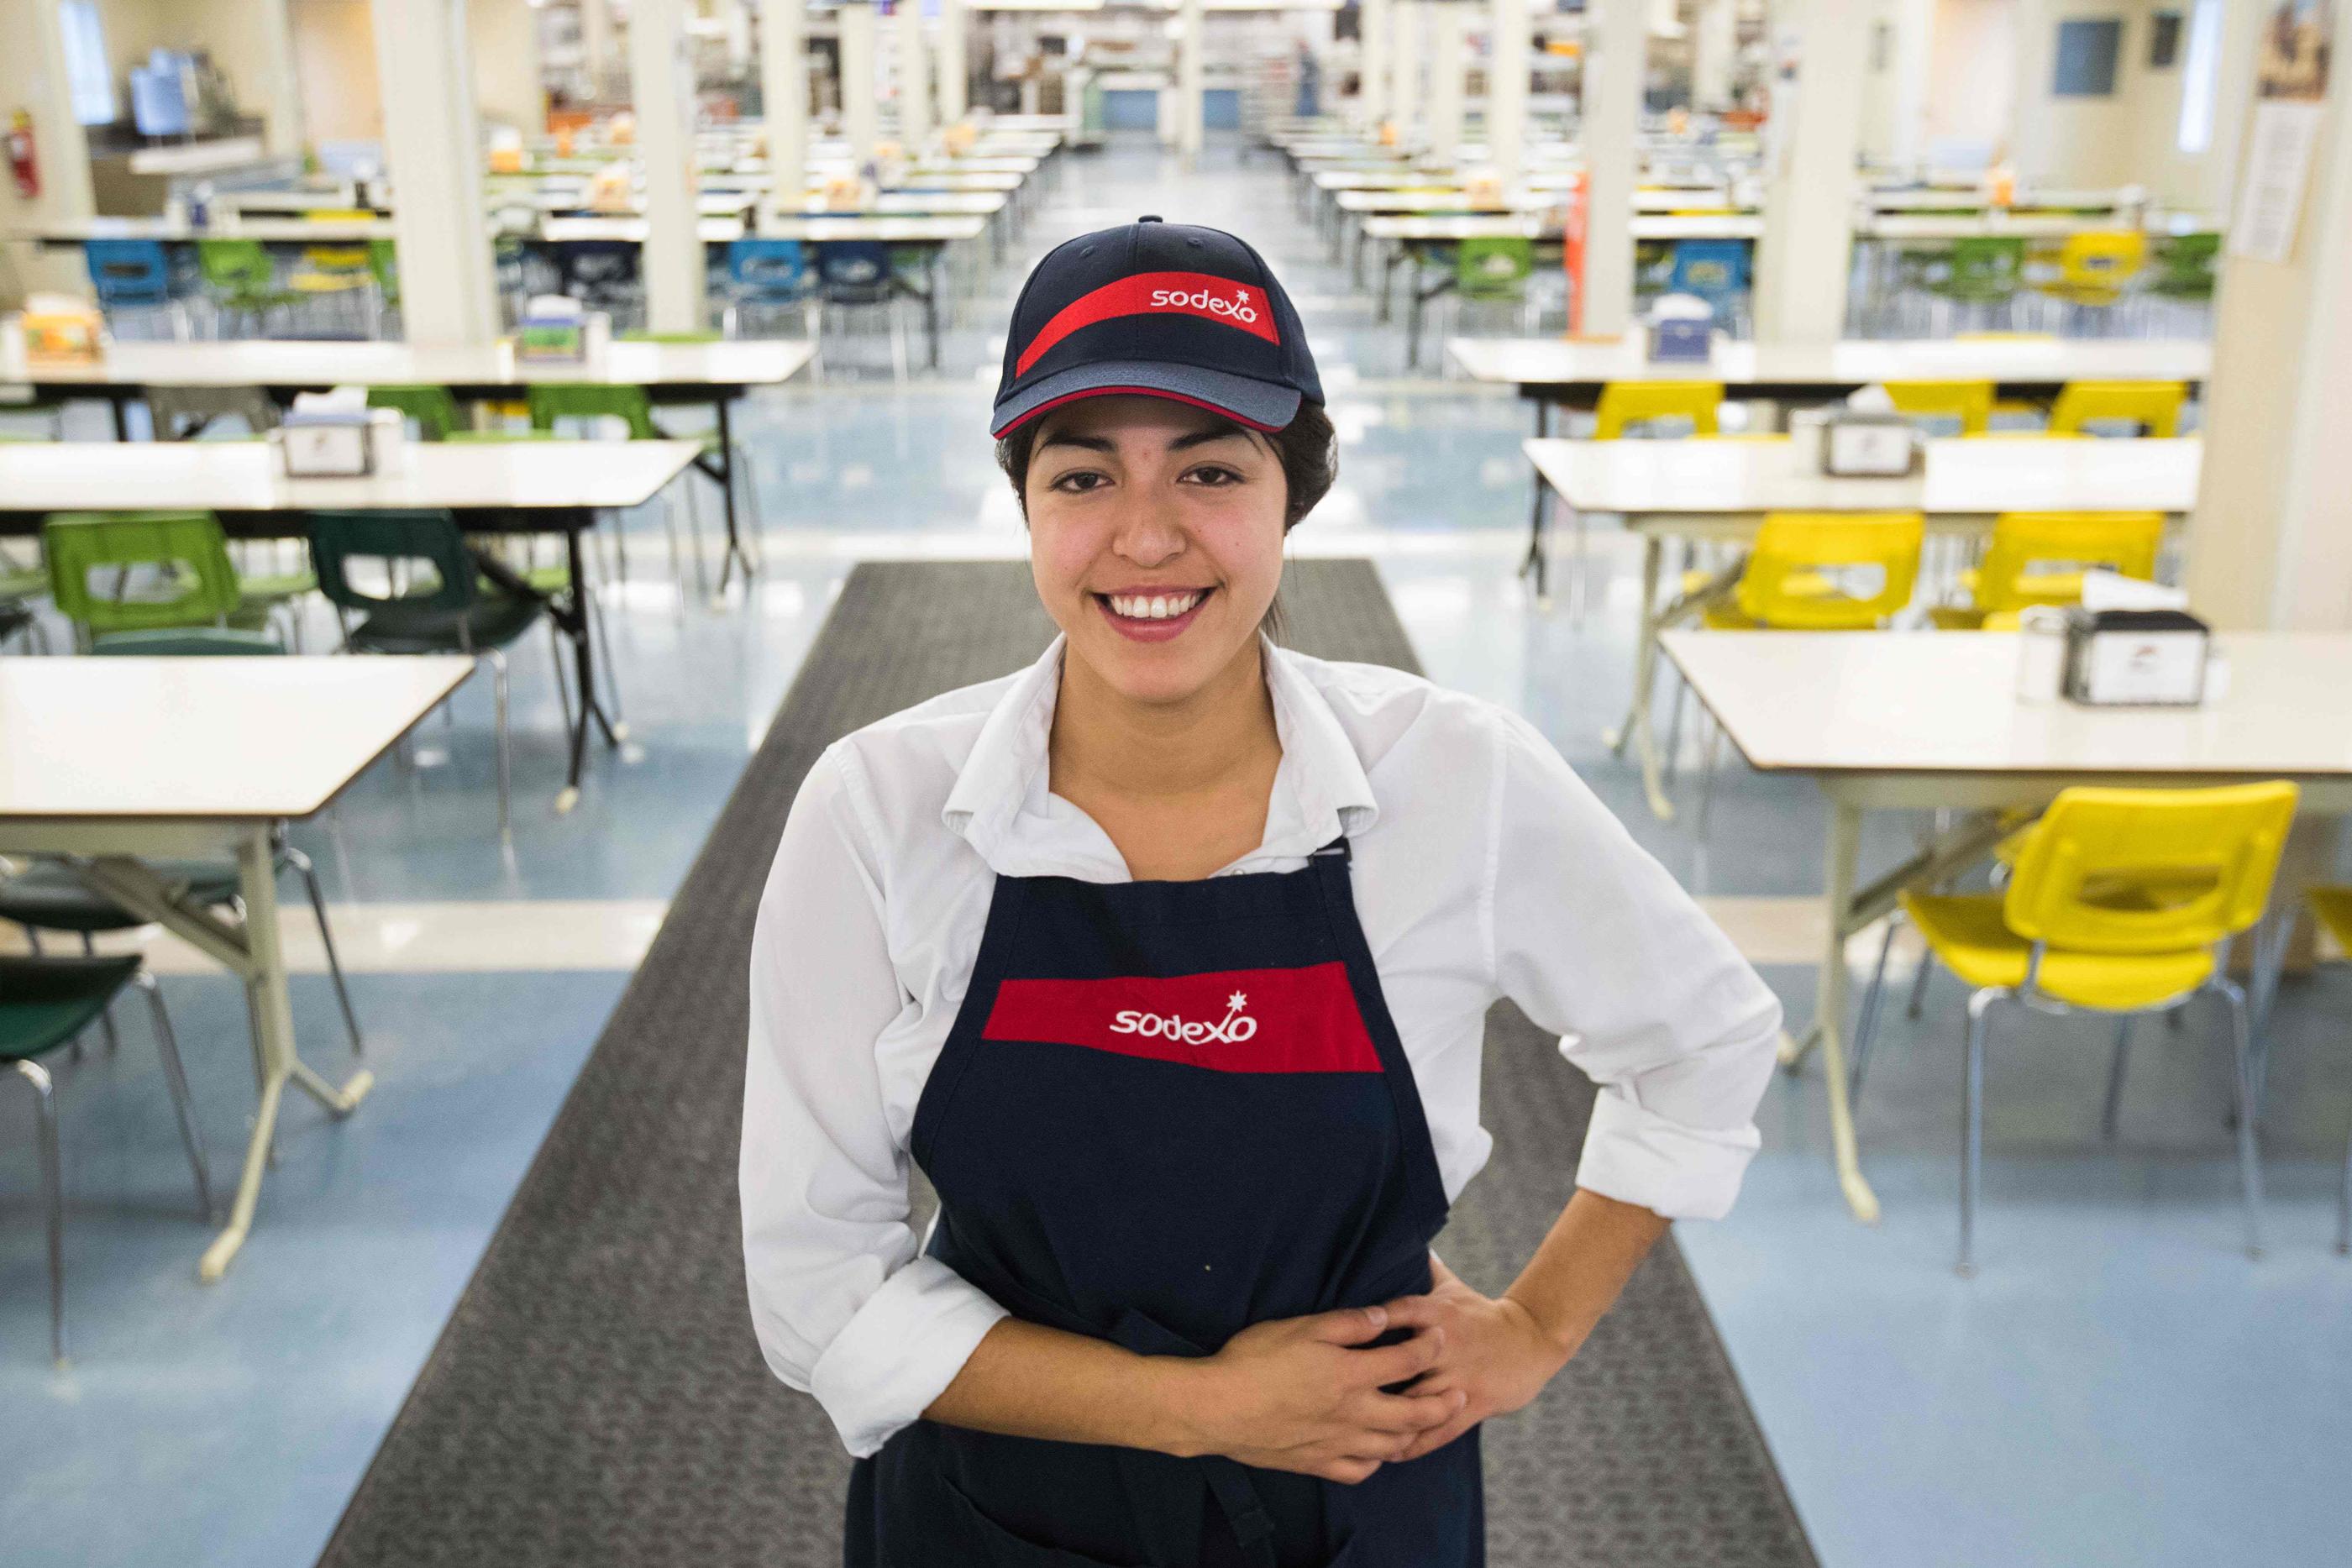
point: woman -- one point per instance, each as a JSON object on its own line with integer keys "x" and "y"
{"x": 1167, "y": 959}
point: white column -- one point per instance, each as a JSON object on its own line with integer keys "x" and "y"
{"x": 735, "y": 17}
{"x": 1448, "y": 24}
{"x": 783, "y": 89}
{"x": 1508, "y": 65}
{"x": 1616, "y": 50}
{"x": 1373, "y": 62}
{"x": 954, "y": 76}
{"x": 1914, "y": 39}
{"x": 504, "y": 37}
{"x": 2270, "y": 544}
{"x": 279, "y": 90}
{"x": 1408, "y": 41}
{"x": 595, "y": 42}
{"x": 1715, "y": 39}
{"x": 1189, "y": 112}
{"x": 1802, "y": 263}
{"x": 914, "y": 78}
{"x": 662, "y": 88}
{"x": 433, "y": 146}
{"x": 33, "y": 79}
{"x": 856, "y": 20}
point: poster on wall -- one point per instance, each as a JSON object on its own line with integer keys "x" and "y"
{"x": 2291, "y": 69}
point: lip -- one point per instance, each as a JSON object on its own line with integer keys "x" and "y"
{"x": 1149, "y": 631}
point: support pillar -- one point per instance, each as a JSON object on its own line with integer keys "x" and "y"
{"x": 1802, "y": 263}
{"x": 433, "y": 147}
{"x": 1616, "y": 51}
{"x": 783, "y": 90}
{"x": 663, "y": 87}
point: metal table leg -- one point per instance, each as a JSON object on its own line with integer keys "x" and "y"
{"x": 250, "y": 950}
{"x": 1829, "y": 1011}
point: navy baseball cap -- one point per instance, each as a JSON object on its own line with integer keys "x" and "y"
{"x": 1169, "y": 310}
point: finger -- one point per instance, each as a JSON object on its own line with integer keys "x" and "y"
{"x": 1415, "y": 1311}
{"x": 1353, "y": 1472}
{"x": 1395, "y": 1363}
{"x": 1436, "y": 1438}
{"x": 1400, "y": 1415}
{"x": 1348, "y": 1326}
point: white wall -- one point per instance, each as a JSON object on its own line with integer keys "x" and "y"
{"x": 1972, "y": 74}
{"x": 334, "y": 59}
{"x": 502, "y": 38}
{"x": 27, "y": 81}
{"x": 2126, "y": 137}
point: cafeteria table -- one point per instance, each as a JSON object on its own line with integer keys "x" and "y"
{"x": 1719, "y": 490}
{"x": 491, "y": 487}
{"x": 109, "y": 765}
{"x": 1920, "y": 721}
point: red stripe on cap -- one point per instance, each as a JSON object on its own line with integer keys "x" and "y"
{"x": 1230, "y": 1021}
{"x": 1051, "y": 404}
{"x": 1219, "y": 299}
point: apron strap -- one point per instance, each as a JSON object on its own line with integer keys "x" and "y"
{"x": 1338, "y": 846}
{"x": 1242, "y": 1511}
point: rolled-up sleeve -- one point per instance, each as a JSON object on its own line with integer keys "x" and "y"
{"x": 1597, "y": 943}
{"x": 843, "y": 1306}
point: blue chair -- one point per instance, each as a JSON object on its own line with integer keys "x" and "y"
{"x": 1715, "y": 270}
{"x": 133, "y": 273}
{"x": 858, "y": 273}
{"x": 765, "y": 272}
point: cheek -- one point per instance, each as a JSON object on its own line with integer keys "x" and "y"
{"x": 1244, "y": 538}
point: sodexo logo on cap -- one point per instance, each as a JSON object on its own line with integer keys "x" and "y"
{"x": 1219, "y": 299}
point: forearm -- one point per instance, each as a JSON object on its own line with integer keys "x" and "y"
{"x": 1029, "y": 1381}
{"x": 1576, "y": 1275}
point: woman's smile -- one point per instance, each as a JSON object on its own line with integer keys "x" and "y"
{"x": 1149, "y": 615}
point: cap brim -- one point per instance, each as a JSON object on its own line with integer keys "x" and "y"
{"x": 1262, "y": 405}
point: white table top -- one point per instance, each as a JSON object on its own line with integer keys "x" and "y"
{"x": 1455, "y": 200}
{"x": 1548, "y": 224}
{"x": 2023, "y": 226}
{"x": 573, "y": 198}
{"x": 1960, "y": 477}
{"x": 224, "y": 226}
{"x": 2046, "y": 361}
{"x": 633, "y": 231}
{"x": 250, "y": 362}
{"x": 201, "y": 738}
{"x": 1945, "y": 702}
{"x": 889, "y": 227}
{"x": 244, "y": 477}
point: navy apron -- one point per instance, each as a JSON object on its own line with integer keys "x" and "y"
{"x": 1167, "y": 1111}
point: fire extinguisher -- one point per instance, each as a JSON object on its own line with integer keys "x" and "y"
{"x": 21, "y": 161}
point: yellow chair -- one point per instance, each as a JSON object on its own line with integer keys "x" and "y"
{"x": 333, "y": 271}
{"x": 2153, "y": 405}
{"x": 1624, "y": 404}
{"x": 2121, "y": 903}
{"x": 2015, "y": 574}
{"x": 2333, "y": 905}
{"x": 2096, "y": 265}
{"x": 1970, "y": 402}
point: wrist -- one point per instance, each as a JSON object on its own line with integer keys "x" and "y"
{"x": 1561, "y": 1335}
{"x": 1180, "y": 1401}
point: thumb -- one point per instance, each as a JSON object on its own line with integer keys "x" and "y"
{"x": 1348, "y": 1326}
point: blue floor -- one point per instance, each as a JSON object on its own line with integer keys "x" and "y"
{"x": 2119, "y": 1385}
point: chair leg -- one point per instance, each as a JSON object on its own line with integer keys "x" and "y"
{"x": 106, "y": 1017}
{"x": 2344, "y": 1205}
{"x": 1866, "y": 1027}
{"x": 2114, "y": 1109}
{"x": 1918, "y": 989}
{"x": 1972, "y": 1128}
{"x": 506, "y": 760}
{"x": 309, "y": 874}
{"x": 44, "y": 1120}
{"x": 175, "y": 1078}
{"x": 562, "y": 686}
{"x": 604, "y": 636}
{"x": 694, "y": 535}
{"x": 2250, "y": 1163}
{"x": 1707, "y": 761}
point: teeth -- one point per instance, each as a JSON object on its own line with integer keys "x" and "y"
{"x": 1152, "y": 607}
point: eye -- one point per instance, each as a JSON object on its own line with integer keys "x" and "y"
{"x": 1215, "y": 475}
{"x": 1078, "y": 481}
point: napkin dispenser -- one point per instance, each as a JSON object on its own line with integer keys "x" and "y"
{"x": 1681, "y": 328}
{"x": 554, "y": 329}
{"x": 330, "y": 443}
{"x": 2136, "y": 658}
{"x": 1858, "y": 445}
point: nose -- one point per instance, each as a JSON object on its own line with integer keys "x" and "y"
{"x": 1152, "y": 530}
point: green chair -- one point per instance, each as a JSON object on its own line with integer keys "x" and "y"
{"x": 552, "y": 404}
{"x": 383, "y": 263}
{"x": 46, "y": 1003}
{"x": 181, "y": 559}
{"x": 1987, "y": 272}
{"x": 432, "y": 408}
{"x": 2184, "y": 266}
{"x": 445, "y": 612}
{"x": 240, "y": 279}
{"x": 19, "y": 586}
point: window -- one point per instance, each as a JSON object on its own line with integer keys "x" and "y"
{"x": 87, "y": 76}
{"x": 2164, "y": 41}
{"x": 2197, "y": 78}
{"x": 2087, "y": 58}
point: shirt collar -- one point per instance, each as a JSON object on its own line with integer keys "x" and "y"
{"x": 1001, "y": 806}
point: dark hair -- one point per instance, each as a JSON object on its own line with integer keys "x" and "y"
{"x": 1308, "y": 448}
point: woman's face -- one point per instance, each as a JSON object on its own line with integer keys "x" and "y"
{"x": 1155, "y": 536}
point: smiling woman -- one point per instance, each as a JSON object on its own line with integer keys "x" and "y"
{"x": 1094, "y": 946}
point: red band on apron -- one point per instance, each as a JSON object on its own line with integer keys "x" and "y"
{"x": 1231, "y": 1020}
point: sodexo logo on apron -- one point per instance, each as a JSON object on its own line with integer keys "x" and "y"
{"x": 1230, "y": 1021}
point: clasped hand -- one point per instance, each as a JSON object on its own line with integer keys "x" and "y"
{"x": 1296, "y": 1393}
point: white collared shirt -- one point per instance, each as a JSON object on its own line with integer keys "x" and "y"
{"x": 1483, "y": 868}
